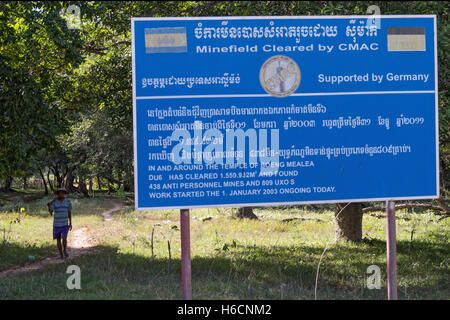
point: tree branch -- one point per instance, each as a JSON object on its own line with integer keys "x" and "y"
{"x": 100, "y": 51}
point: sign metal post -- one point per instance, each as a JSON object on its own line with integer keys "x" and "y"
{"x": 391, "y": 247}
{"x": 185, "y": 254}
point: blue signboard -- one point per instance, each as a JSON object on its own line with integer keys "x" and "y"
{"x": 254, "y": 111}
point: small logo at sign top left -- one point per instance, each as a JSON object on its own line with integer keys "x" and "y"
{"x": 280, "y": 76}
{"x": 165, "y": 40}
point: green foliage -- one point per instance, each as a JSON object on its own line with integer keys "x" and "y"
{"x": 35, "y": 50}
{"x": 73, "y": 87}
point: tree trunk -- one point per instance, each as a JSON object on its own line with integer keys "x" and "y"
{"x": 49, "y": 182}
{"x": 99, "y": 186}
{"x": 8, "y": 182}
{"x": 58, "y": 177}
{"x": 348, "y": 222}
{"x": 119, "y": 178}
{"x": 90, "y": 186}
{"x": 43, "y": 180}
{"x": 64, "y": 176}
{"x": 25, "y": 186}
{"x": 69, "y": 181}
{"x": 246, "y": 212}
{"x": 109, "y": 188}
{"x": 82, "y": 187}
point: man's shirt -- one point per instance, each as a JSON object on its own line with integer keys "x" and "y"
{"x": 61, "y": 212}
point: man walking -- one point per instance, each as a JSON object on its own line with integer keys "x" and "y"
{"x": 62, "y": 220}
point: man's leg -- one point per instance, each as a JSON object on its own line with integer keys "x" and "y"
{"x": 65, "y": 247}
{"x": 58, "y": 242}
{"x": 64, "y": 237}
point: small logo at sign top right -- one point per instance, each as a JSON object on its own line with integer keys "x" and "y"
{"x": 406, "y": 39}
{"x": 280, "y": 76}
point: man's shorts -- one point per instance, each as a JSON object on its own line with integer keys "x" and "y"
{"x": 60, "y": 232}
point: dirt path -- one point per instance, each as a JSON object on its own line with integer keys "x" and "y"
{"x": 116, "y": 207}
{"x": 81, "y": 242}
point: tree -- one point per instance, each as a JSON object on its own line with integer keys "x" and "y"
{"x": 35, "y": 51}
{"x": 245, "y": 212}
{"x": 74, "y": 86}
{"x": 348, "y": 221}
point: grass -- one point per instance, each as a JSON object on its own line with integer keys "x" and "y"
{"x": 26, "y": 228}
{"x": 231, "y": 258}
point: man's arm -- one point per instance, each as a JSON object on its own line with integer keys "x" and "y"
{"x": 50, "y": 206}
{"x": 70, "y": 219}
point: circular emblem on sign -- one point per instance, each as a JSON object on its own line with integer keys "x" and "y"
{"x": 279, "y": 76}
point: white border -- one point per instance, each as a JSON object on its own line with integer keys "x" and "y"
{"x": 265, "y": 95}
{"x": 283, "y": 17}
{"x": 269, "y": 204}
{"x": 435, "y": 91}
{"x": 133, "y": 66}
{"x": 436, "y": 107}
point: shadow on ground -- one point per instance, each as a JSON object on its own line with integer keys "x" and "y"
{"x": 12, "y": 254}
{"x": 275, "y": 272}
